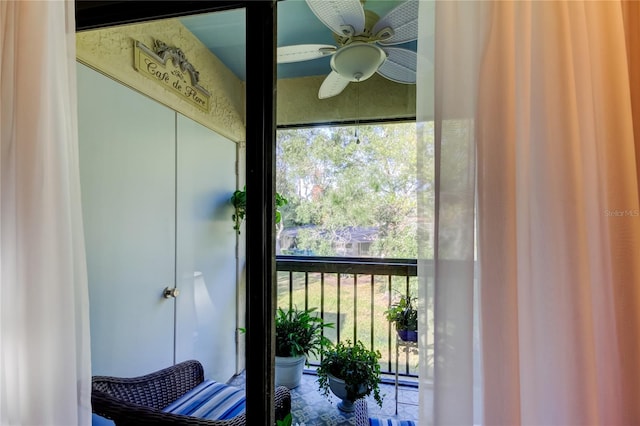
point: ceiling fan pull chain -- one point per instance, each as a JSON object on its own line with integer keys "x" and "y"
{"x": 357, "y": 114}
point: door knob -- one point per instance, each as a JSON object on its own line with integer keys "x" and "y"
{"x": 170, "y": 292}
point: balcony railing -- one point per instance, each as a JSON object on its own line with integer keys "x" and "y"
{"x": 353, "y": 294}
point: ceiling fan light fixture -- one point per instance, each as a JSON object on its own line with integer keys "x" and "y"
{"x": 358, "y": 61}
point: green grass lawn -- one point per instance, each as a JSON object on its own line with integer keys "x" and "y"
{"x": 362, "y": 306}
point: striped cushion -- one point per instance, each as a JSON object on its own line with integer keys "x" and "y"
{"x": 390, "y": 422}
{"x": 210, "y": 400}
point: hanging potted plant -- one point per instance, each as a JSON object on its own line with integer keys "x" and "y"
{"x": 239, "y": 201}
{"x": 298, "y": 334}
{"x": 350, "y": 372}
{"x": 405, "y": 317}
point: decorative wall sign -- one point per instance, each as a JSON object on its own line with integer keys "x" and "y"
{"x": 153, "y": 64}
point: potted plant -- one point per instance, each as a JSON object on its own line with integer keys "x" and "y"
{"x": 350, "y": 372}
{"x": 298, "y": 334}
{"x": 239, "y": 201}
{"x": 405, "y": 317}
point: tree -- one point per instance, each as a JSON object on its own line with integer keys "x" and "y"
{"x": 337, "y": 187}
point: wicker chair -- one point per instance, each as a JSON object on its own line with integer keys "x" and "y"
{"x": 139, "y": 400}
{"x": 361, "y": 414}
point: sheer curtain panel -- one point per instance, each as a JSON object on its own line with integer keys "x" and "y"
{"x": 44, "y": 328}
{"x": 535, "y": 108}
{"x": 556, "y": 160}
{"x": 450, "y": 286}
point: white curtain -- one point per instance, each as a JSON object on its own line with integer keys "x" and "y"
{"x": 44, "y": 328}
{"x": 537, "y": 217}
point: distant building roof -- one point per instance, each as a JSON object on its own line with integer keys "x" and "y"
{"x": 348, "y": 234}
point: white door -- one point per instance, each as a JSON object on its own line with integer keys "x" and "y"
{"x": 205, "y": 249}
{"x": 127, "y": 166}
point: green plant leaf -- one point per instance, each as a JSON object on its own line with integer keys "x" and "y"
{"x": 299, "y": 332}
{"x": 288, "y": 419}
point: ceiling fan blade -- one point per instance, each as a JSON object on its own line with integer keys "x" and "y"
{"x": 343, "y": 17}
{"x": 304, "y": 52}
{"x": 400, "y": 65}
{"x": 403, "y": 22}
{"x": 333, "y": 85}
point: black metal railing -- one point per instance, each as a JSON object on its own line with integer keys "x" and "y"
{"x": 352, "y": 293}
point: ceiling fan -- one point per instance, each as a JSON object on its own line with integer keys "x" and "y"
{"x": 363, "y": 41}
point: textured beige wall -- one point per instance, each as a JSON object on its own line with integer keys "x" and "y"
{"x": 375, "y": 98}
{"x": 110, "y": 51}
